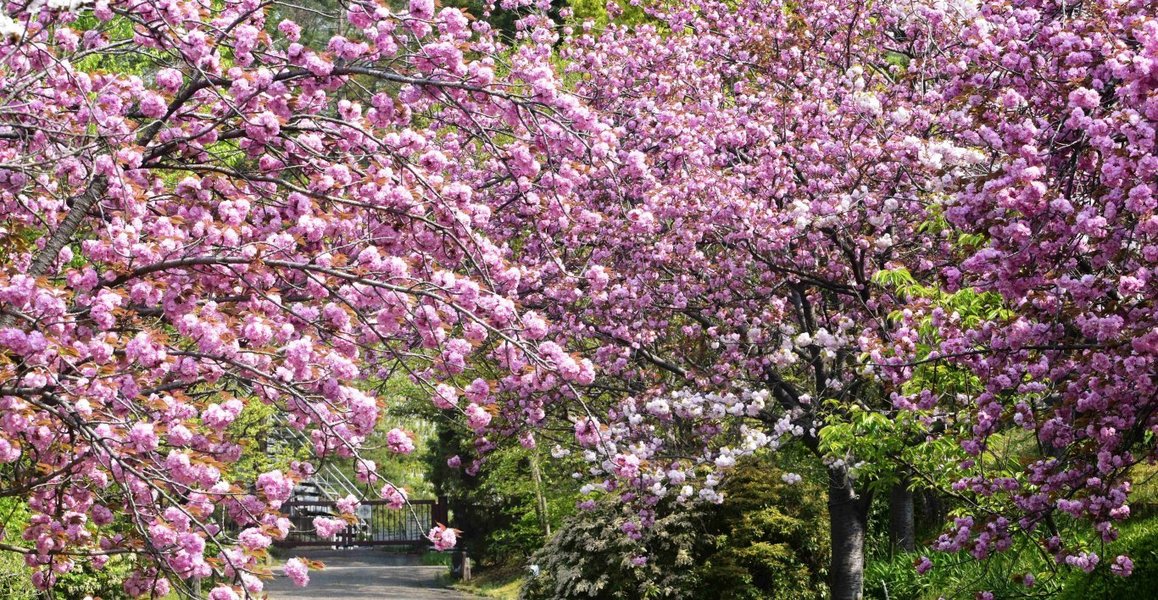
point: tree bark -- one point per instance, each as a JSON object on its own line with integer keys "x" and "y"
{"x": 540, "y": 499}
{"x": 64, "y": 233}
{"x": 902, "y": 522}
{"x": 848, "y": 524}
{"x": 931, "y": 514}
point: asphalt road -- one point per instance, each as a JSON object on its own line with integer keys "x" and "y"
{"x": 362, "y": 574}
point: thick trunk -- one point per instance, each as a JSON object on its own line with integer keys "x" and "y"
{"x": 848, "y": 523}
{"x": 902, "y": 524}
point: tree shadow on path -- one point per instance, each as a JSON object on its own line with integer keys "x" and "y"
{"x": 365, "y": 573}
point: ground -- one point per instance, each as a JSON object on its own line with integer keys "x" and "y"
{"x": 362, "y": 574}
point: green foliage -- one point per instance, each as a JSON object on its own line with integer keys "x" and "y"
{"x": 257, "y": 430}
{"x": 253, "y": 428}
{"x": 503, "y": 584}
{"x": 596, "y": 10}
{"x": 961, "y": 576}
{"x": 1144, "y": 496}
{"x": 497, "y": 509}
{"x": 84, "y": 581}
{"x": 15, "y": 577}
{"x": 508, "y": 478}
{"x": 591, "y": 557}
{"x": 436, "y": 559}
{"x": 1139, "y": 541}
{"x": 873, "y": 438}
{"x": 408, "y": 408}
{"x": 897, "y": 59}
{"x": 131, "y": 59}
{"x": 767, "y": 541}
{"x": 406, "y": 471}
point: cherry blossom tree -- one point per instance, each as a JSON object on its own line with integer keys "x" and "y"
{"x": 202, "y": 207}
{"x": 200, "y": 211}
{"x": 771, "y": 158}
{"x": 774, "y": 165}
{"x": 1063, "y": 99}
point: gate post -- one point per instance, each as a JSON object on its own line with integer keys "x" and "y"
{"x": 460, "y": 565}
{"x": 440, "y": 512}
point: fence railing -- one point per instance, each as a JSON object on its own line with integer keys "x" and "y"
{"x": 378, "y": 524}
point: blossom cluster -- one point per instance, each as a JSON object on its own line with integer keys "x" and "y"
{"x": 642, "y": 453}
{"x": 699, "y": 228}
{"x": 229, "y": 222}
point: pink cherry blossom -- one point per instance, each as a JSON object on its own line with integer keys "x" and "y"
{"x": 327, "y": 527}
{"x": 223, "y": 593}
{"x": 297, "y": 572}
{"x": 399, "y": 441}
{"x": 395, "y": 497}
{"x": 443, "y": 537}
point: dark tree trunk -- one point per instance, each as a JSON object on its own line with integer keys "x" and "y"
{"x": 931, "y": 515}
{"x": 902, "y": 524}
{"x": 848, "y": 524}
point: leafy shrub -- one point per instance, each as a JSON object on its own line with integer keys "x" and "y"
{"x": 591, "y": 557}
{"x": 767, "y": 541}
{"x": 15, "y": 578}
{"x": 84, "y": 581}
{"x": 961, "y": 576}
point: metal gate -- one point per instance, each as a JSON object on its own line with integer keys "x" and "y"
{"x": 378, "y": 524}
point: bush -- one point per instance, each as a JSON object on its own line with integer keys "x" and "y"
{"x": 767, "y": 541}
{"x": 591, "y": 557}
{"x": 960, "y": 576}
{"x": 84, "y": 581}
{"x": 15, "y": 578}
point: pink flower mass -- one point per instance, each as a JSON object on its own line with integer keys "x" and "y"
{"x": 327, "y": 527}
{"x": 297, "y": 572}
{"x": 443, "y": 537}
{"x": 666, "y": 244}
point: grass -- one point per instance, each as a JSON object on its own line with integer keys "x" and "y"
{"x": 431, "y": 558}
{"x": 501, "y": 583}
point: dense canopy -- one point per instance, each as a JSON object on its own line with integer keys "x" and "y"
{"x": 715, "y": 230}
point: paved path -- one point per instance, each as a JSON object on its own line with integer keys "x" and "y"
{"x": 364, "y": 574}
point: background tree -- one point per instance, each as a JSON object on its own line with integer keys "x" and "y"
{"x": 201, "y": 209}
{"x": 772, "y": 158}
